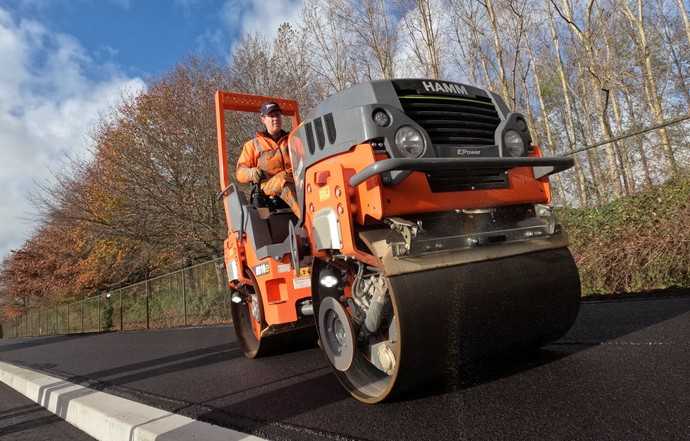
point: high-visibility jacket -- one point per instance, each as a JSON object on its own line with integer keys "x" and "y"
{"x": 272, "y": 157}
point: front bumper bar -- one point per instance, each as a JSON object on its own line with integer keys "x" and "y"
{"x": 543, "y": 166}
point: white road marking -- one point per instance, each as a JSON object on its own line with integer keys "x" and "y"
{"x": 108, "y": 417}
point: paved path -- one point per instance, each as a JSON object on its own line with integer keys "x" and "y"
{"x": 621, "y": 373}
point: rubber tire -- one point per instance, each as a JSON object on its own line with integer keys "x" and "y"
{"x": 266, "y": 346}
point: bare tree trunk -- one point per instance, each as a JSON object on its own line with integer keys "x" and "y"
{"x": 528, "y": 108}
{"x": 585, "y": 39}
{"x": 431, "y": 37}
{"x": 626, "y": 172}
{"x": 329, "y": 52}
{"x": 464, "y": 28}
{"x": 640, "y": 142}
{"x": 623, "y": 171}
{"x": 425, "y": 39}
{"x": 569, "y": 125}
{"x": 551, "y": 145}
{"x": 498, "y": 47}
{"x": 483, "y": 61}
{"x": 468, "y": 12}
{"x": 677, "y": 62}
{"x": 592, "y": 156}
{"x": 650, "y": 86}
{"x": 377, "y": 38}
{"x": 684, "y": 16}
{"x": 602, "y": 114}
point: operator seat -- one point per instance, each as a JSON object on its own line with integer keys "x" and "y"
{"x": 274, "y": 211}
{"x": 267, "y": 229}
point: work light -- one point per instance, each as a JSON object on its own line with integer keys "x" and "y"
{"x": 513, "y": 143}
{"x": 409, "y": 141}
{"x": 381, "y": 118}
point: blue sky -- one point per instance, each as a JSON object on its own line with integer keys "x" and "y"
{"x": 64, "y": 65}
{"x": 147, "y": 37}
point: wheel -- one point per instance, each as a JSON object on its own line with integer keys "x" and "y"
{"x": 435, "y": 321}
{"x": 249, "y": 323}
{"x": 370, "y": 377}
{"x": 248, "y": 320}
{"x": 366, "y": 363}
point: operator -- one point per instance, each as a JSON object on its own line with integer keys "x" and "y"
{"x": 265, "y": 159}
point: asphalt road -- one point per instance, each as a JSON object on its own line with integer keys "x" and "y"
{"x": 621, "y": 373}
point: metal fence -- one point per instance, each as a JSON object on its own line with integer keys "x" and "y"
{"x": 197, "y": 295}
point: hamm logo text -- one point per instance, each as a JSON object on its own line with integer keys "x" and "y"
{"x": 435, "y": 86}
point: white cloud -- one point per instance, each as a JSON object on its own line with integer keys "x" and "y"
{"x": 260, "y": 16}
{"x": 48, "y": 106}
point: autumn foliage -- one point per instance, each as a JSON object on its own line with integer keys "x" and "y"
{"x": 146, "y": 201}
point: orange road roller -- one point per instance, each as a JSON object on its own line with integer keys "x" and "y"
{"x": 425, "y": 237}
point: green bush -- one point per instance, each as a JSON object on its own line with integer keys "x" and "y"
{"x": 635, "y": 243}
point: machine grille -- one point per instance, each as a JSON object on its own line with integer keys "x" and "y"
{"x": 477, "y": 180}
{"x": 453, "y": 122}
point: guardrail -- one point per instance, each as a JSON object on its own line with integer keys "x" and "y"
{"x": 196, "y": 295}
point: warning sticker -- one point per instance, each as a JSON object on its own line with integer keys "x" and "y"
{"x": 324, "y": 193}
{"x": 284, "y": 268}
{"x": 301, "y": 282}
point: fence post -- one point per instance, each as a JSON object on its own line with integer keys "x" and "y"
{"x": 82, "y": 315}
{"x": 122, "y": 312}
{"x": 184, "y": 296}
{"x": 147, "y": 304}
{"x": 99, "y": 313}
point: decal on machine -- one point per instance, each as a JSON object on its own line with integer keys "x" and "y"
{"x": 467, "y": 152}
{"x": 262, "y": 269}
{"x": 324, "y": 193}
{"x": 284, "y": 268}
{"x": 305, "y": 271}
{"x": 301, "y": 282}
{"x": 233, "y": 273}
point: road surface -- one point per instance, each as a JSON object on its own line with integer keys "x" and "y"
{"x": 622, "y": 372}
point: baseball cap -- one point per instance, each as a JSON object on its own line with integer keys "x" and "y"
{"x": 268, "y": 107}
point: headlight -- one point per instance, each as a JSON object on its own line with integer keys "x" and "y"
{"x": 513, "y": 143}
{"x": 409, "y": 141}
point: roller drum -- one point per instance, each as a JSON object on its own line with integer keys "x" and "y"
{"x": 452, "y": 316}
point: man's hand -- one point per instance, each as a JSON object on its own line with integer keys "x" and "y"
{"x": 255, "y": 174}
{"x": 275, "y": 185}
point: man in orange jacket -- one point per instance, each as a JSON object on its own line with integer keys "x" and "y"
{"x": 265, "y": 159}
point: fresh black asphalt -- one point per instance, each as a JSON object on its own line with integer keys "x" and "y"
{"x": 621, "y": 373}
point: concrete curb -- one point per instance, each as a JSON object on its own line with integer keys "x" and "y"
{"x": 107, "y": 417}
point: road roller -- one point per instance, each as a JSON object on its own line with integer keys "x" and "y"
{"x": 425, "y": 238}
